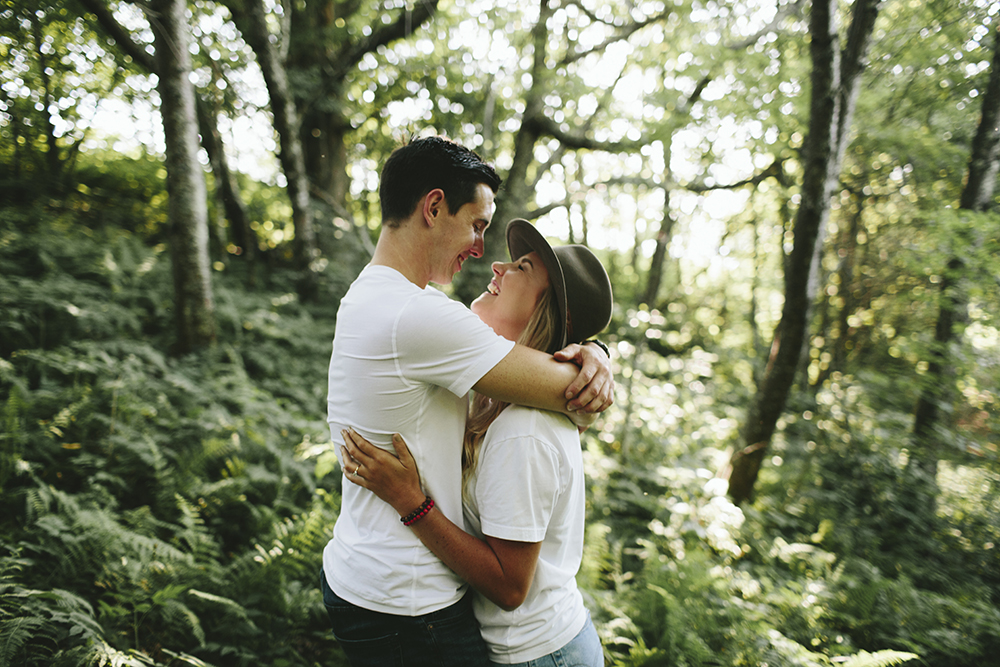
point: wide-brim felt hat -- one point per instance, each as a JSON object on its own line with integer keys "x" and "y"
{"x": 582, "y": 287}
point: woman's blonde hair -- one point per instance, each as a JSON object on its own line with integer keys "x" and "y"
{"x": 540, "y": 334}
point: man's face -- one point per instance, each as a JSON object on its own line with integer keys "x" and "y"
{"x": 460, "y": 234}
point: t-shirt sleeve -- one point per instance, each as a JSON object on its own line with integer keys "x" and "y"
{"x": 441, "y": 342}
{"x": 517, "y": 486}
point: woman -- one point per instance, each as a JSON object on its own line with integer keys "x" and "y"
{"x": 522, "y": 469}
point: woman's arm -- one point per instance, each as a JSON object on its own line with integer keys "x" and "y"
{"x": 501, "y": 570}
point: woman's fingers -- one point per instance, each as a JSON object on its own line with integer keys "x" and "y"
{"x": 402, "y": 451}
{"x": 351, "y": 468}
{"x": 359, "y": 448}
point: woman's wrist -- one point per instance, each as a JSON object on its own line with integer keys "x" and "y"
{"x": 419, "y": 513}
{"x": 409, "y": 502}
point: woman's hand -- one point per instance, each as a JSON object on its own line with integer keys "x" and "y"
{"x": 394, "y": 479}
{"x": 499, "y": 569}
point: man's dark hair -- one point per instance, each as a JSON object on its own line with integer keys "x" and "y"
{"x": 420, "y": 166}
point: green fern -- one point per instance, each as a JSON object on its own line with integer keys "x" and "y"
{"x": 17, "y": 633}
{"x": 885, "y": 658}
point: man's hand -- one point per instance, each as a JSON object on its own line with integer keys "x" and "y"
{"x": 593, "y": 390}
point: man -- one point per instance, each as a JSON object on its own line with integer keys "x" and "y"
{"x": 404, "y": 358}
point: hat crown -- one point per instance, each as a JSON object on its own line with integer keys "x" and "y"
{"x": 582, "y": 287}
{"x": 588, "y": 292}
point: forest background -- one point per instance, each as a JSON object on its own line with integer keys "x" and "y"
{"x": 794, "y": 203}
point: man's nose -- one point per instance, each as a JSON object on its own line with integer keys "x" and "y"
{"x": 478, "y": 246}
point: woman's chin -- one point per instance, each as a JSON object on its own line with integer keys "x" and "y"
{"x": 479, "y": 302}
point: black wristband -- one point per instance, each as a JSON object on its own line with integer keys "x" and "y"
{"x": 600, "y": 345}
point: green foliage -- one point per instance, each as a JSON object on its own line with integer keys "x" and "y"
{"x": 839, "y": 560}
{"x": 156, "y": 510}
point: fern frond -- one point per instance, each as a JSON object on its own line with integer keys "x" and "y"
{"x": 230, "y": 605}
{"x": 105, "y": 655}
{"x": 15, "y": 633}
{"x": 885, "y": 658}
{"x": 187, "y": 659}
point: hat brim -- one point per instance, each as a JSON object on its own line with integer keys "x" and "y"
{"x": 523, "y": 238}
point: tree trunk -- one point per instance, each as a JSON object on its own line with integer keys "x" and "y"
{"x": 835, "y": 81}
{"x": 228, "y": 189}
{"x": 516, "y": 194}
{"x": 207, "y": 126}
{"x": 315, "y": 54}
{"x": 251, "y": 18}
{"x": 663, "y": 235}
{"x": 187, "y": 207}
{"x": 52, "y": 148}
{"x": 977, "y": 195}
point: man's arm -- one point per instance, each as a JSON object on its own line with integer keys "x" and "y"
{"x": 538, "y": 380}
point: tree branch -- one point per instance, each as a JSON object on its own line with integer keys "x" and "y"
{"x": 586, "y": 12}
{"x": 623, "y": 33}
{"x": 545, "y": 125}
{"x": 121, "y": 36}
{"x": 775, "y": 169}
{"x": 543, "y": 210}
{"x": 793, "y": 9}
{"x": 557, "y": 155}
{"x": 407, "y": 21}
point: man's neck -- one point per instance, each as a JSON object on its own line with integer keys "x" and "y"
{"x": 400, "y": 249}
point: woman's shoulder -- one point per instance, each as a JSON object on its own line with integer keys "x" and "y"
{"x": 521, "y": 422}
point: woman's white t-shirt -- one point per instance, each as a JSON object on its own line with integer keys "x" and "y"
{"x": 529, "y": 487}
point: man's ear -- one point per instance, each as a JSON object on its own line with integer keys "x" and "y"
{"x": 434, "y": 203}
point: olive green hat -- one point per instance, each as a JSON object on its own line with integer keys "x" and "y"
{"x": 582, "y": 286}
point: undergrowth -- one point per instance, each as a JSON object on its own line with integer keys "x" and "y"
{"x": 164, "y": 510}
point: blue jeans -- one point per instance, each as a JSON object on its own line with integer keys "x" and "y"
{"x": 584, "y": 650}
{"x": 444, "y": 638}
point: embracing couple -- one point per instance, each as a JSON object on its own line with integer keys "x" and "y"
{"x": 441, "y": 495}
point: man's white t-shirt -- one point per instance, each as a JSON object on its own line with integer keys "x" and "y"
{"x": 404, "y": 359}
{"x": 529, "y": 487}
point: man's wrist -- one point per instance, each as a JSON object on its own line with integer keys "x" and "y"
{"x": 600, "y": 345}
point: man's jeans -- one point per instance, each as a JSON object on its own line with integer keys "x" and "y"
{"x": 442, "y": 638}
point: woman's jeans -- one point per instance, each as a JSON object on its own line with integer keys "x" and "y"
{"x": 584, "y": 650}
{"x": 442, "y": 638}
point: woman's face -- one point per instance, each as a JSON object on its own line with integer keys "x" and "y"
{"x": 511, "y": 297}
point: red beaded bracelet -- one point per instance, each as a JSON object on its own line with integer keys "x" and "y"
{"x": 419, "y": 513}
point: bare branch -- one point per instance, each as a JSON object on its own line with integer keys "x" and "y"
{"x": 695, "y": 94}
{"x": 121, "y": 36}
{"x": 558, "y": 154}
{"x": 775, "y": 170}
{"x": 542, "y": 210}
{"x": 793, "y": 9}
{"x": 407, "y": 21}
{"x": 638, "y": 181}
{"x": 621, "y": 34}
{"x": 586, "y": 12}
{"x": 342, "y": 212}
{"x": 545, "y": 125}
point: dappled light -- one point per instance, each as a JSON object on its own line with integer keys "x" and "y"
{"x": 801, "y": 465}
